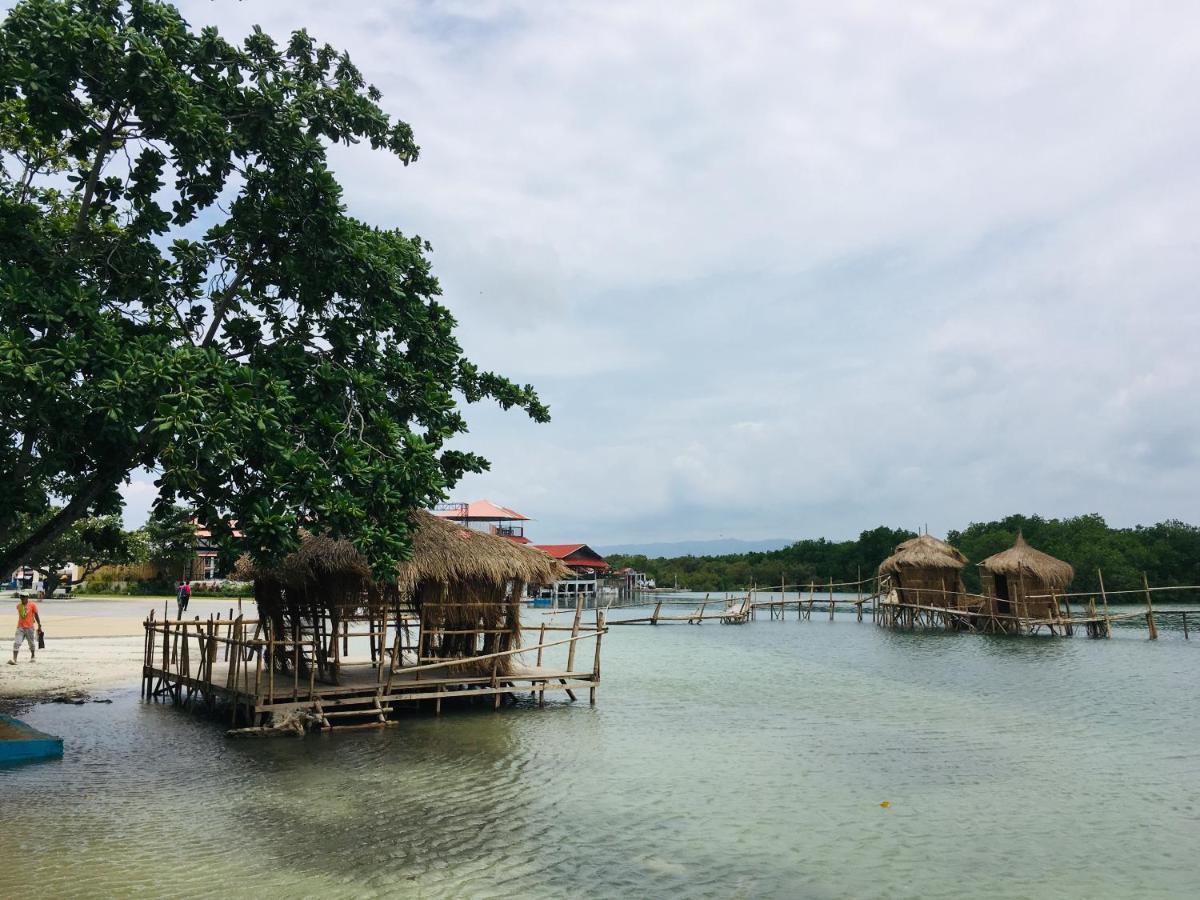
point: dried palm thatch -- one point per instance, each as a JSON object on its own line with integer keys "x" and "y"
{"x": 1023, "y": 561}
{"x": 926, "y": 571}
{"x": 461, "y": 581}
{"x": 923, "y": 552}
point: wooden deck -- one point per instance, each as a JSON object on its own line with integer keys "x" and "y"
{"x": 206, "y": 664}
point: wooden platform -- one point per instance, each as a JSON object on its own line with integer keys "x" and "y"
{"x": 210, "y": 663}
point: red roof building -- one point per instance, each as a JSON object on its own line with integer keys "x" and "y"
{"x": 497, "y": 519}
{"x": 575, "y": 556}
{"x": 478, "y": 511}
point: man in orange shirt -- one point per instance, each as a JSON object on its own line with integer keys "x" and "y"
{"x": 27, "y": 614}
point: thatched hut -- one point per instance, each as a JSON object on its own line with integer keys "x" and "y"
{"x": 1012, "y": 577}
{"x": 926, "y": 571}
{"x": 460, "y": 590}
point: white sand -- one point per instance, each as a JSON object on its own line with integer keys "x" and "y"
{"x": 85, "y": 652}
{"x": 72, "y": 666}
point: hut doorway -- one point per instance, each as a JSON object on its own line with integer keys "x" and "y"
{"x": 1003, "y": 603}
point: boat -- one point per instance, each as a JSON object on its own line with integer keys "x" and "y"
{"x": 24, "y": 743}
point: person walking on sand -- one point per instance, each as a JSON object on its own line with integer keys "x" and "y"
{"x": 182, "y": 598}
{"x": 27, "y": 614}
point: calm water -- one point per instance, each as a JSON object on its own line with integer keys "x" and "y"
{"x": 720, "y": 762}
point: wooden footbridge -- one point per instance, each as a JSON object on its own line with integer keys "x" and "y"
{"x": 878, "y": 600}
{"x": 732, "y": 612}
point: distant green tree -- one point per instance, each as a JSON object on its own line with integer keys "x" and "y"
{"x": 89, "y": 543}
{"x": 1168, "y": 553}
{"x": 171, "y": 540}
{"x": 181, "y": 288}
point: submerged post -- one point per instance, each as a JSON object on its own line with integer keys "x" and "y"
{"x": 858, "y": 594}
{"x": 596, "y": 660}
{"x": 1149, "y": 610}
{"x": 1104, "y": 597}
{"x": 575, "y": 633}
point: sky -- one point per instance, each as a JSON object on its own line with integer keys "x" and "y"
{"x": 799, "y": 269}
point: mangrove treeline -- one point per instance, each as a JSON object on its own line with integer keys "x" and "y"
{"x": 1168, "y": 553}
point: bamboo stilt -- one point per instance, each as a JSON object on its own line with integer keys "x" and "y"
{"x": 1104, "y": 597}
{"x": 1149, "y": 610}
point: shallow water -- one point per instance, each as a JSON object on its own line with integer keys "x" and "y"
{"x": 744, "y": 761}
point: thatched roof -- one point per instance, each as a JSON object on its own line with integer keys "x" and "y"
{"x": 923, "y": 552}
{"x": 442, "y": 551}
{"x": 1021, "y": 559}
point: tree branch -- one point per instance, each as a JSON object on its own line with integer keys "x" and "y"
{"x": 221, "y": 306}
{"x": 89, "y": 190}
{"x": 14, "y": 555}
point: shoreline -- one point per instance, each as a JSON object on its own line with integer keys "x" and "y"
{"x": 73, "y": 666}
{"x": 90, "y": 647}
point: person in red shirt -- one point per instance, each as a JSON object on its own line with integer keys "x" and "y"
{"x": 27, "y": 615}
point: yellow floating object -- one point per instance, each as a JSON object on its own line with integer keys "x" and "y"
{"x": 886, "y": 804}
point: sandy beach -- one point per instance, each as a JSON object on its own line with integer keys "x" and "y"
{"x": 92, "y": 645}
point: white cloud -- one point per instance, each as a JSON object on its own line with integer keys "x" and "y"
{"x": 792, "y": 269}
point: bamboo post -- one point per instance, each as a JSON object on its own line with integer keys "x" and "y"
{"x": 495, "y": 689}
{"x": 166, "y": 656}
{"x": 858, "y": 594}
{"x": 575, "y": 635}
{"x": 258, "y": 660}
{"x": 233, "y": 667}
{"x": 1149, "y": 610}
{"x": 312, "y": 669}
{"x": 185, "y": 665}
{"x": 271, "y": 668}
{"x": 541, "y": 649}
{"x": 296, "y": 659}
{"x": 1104, "y": 597}
{"x": 653, "y": 618}
{"x": 831, "y": 599}
{"x": 146, "y": 638}
{"x": 596, "y": 662}
{"x": 397, "y": 650}
{"x": 175, "y": 645}
{"x": 337, "y": 658}
{"x": 1185, "y": 628}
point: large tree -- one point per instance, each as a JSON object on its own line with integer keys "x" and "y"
{"x": 181, "y": 288}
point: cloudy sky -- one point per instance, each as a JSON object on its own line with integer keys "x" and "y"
{"x": 799, "y": 269}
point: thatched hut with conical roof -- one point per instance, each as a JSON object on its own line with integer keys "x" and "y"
{"x": 460, "y": 591}
{"x": 926, "y": 571}
{"x": 1012, "y": 577}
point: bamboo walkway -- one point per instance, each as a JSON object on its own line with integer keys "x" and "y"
{"x": 734, "y": 612}
{"x": 877, "y": 599}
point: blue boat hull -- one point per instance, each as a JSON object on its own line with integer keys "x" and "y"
{"x": 22, "y": 743}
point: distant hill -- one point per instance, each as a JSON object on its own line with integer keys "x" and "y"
{"x": 718, "y": 547}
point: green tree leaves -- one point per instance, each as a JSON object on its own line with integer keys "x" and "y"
{"x": 182, "y": 288}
